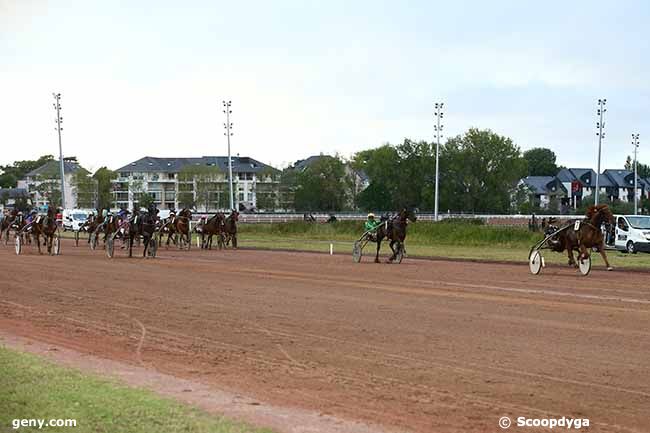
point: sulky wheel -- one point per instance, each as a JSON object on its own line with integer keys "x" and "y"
{"x": 535, "y": 262}
{"x": 585, "y": 265}
{"x": 93, "y": 241}
{"x": 19, "y": 244}
{"x": 357, "y": 251}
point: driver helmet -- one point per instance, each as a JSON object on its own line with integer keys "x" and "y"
{"x": 371, "y": 216}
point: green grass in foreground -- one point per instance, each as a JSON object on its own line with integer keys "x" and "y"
{"x": 32, "y": 388}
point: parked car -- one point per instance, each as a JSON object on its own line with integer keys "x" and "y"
{"x": 632, "y": 233}
{"x": 74, "y": 218}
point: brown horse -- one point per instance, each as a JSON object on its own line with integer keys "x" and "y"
{"x": 230, "y": 228}
{"x": 394, "y": 229}
{"x": 7, "y": 220}
{"x": 46, "y": 227}
{"x": 178, "y": 229}
{"x": 587, "y": 236}
{"x": 213, "y": 226}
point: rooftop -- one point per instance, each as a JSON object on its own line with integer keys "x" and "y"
{"x": 241, "y": 164}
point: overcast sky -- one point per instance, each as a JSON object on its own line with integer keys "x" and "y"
{"x": 147, "y": 77}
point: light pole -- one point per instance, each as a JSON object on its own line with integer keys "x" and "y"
{"x": 228, "y": 134}
{"x": 438, "y": 130}
{"x": 601, "y": 135}
{"x": 635, "y": 143}
{"x": 59, "y": 120}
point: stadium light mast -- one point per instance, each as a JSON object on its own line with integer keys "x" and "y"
{"x": 227, "y": 126}
{"x": 600, "y": 112}
{"x": 438, "y": 130}
{"x": 59, "y": 120}
{"x": 635, "y": 143}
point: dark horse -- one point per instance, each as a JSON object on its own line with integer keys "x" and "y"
{"x": 178, "y": 229}
{"x": 213, "y": 226}
{"x": 45, "y": 226}
{"x": 6, "y": 221}
{"x": 143, "y": 224}
{"x": 230, "y": 228}
{"x": 588, "y": 235}
{"x": 394, "y": 229}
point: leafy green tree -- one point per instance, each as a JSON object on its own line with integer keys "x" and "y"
{"x": 541, "y": 162}
{"x": 85, "y": 188}
{"x": 103, "y": 178}
{"x": 145, "y": 200}
{"x": 11, "y": 174}
{"x": 480, "y": 171}
{"x": 287, "y": 189}
{"x": 628, "y": 163}
{"x": 322, "y": 186}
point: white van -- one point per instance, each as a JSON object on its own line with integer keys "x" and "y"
{"x": 74, "y": 218}
{"x": 632, "y": 233}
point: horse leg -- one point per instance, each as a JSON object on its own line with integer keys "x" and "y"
{"x": 38, "y": 242}
{"x": 131, "y": 236}
{"x": 379, "y": 239}
{"x": 147, "y": 239}
{"x": 391, "y": 245}
{"x": 572, "y": 261}
{"x": 601, "y": 249}
{"x": 234, "y": 241}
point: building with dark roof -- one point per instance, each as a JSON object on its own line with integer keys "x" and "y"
{"x": 580, "y": 184}
{"x": 200, "y": 182}
{"x": 8, "y": 196}
{"x": 44, "y": 181}
{"x": 545, "y": 190}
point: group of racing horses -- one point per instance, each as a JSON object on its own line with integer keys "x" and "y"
{"x": 138, "y": 226}
{"x": 32, "y": 227}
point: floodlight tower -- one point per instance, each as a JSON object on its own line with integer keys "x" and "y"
{"x": 438, "y": 132}
{"x": 600, "y": 125}
{"x": 59, "y": 121}
{"x": 227, "y": 126}
{"x": 635, "y": 143}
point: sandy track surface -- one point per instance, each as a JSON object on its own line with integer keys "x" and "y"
{"x": 423, "y": 346}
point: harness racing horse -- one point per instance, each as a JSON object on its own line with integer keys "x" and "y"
{"x": 144, "y": 225}
{"x": 6, "y": 220}
{"x": 178, "y": 229}
{"x": 46, "y": 227}
{"x": 394, "y": 229}
{"x": 214, "y": 226}
{"x": 230, "y": 228}
{"x": 588, "y": 235}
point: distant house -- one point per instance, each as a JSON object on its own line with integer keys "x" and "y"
{"x": 580, "y": 185}
{"x": 9, "y": 196}
{"x": 202, "y": 182}
{"x": 546, "y": 191}
{"x": 44, "y": 182}
{"x": 623, "y": 185}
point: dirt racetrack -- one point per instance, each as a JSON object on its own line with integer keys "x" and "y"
{"x": 425, "y": 346}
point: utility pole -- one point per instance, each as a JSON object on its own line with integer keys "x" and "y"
{"x": 601, "y": 135}
{"x": 635, "y": 143}
{"x": 227, "y": 126}
{"x": 438, "y": 130}
{"x": 59, "y": 120}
